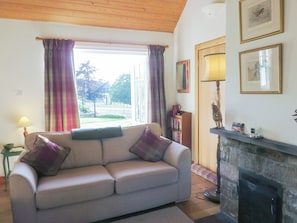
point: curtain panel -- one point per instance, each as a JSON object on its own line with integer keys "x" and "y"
{"x": 61, "y": 107}
{"x": 157, "y": 89}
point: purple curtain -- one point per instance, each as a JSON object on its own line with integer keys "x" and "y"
{"x": 61, "y": 110}
{"x": 157, "y": 100}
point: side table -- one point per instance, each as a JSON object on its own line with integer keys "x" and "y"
{"x": 15, "y": 151}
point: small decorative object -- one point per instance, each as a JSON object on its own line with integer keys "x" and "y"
{"x": 217, "y": 116}
{"x": 295, "y": 115}
{"x": 182, "y": 76}
{"x": 252, "y": 134}
{"x": 261, "y": 70}
{"x": 176, "y": 109}
{"x": 238, "y": 127}
{"x": 260, "y": 18}
{"x": 255, "y": 135}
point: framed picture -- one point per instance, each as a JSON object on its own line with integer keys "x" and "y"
{"x": 261, "y": 70}
{"x": 260, "y": 18}
{"x": 182, "y": 76}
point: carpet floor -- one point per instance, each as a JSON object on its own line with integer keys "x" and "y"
{"x": 165, "y": 215}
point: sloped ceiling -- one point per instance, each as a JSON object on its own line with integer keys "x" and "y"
{"x": 149, "y": 15}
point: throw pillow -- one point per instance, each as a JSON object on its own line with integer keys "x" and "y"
{"x": 150, "y": 147}
{"x": 46, "y": 157}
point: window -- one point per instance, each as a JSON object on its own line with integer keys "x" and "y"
{"x": 112, "y": 84}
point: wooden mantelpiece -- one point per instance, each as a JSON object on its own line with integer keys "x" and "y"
{"x": 265, "y": 143}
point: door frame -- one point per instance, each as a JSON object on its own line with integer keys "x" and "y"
{"x": 199, "y": 47}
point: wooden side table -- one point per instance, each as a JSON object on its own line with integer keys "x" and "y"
{"x": 15, "y": 151}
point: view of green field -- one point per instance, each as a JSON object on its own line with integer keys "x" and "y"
{"x": 106, "y": 115}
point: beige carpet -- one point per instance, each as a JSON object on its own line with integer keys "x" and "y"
{"x": 165, "y": 215}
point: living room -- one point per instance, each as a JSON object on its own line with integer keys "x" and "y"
{"x": 22, "y": 68}
{"x": 19, "y": 42}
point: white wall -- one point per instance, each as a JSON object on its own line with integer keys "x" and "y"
{"x": 273, "y": 112}
{"x": 194, "y": 27}
{"x": 21, "y": 63}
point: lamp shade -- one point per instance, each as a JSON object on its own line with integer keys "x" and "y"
{"x": 24, "y": 121}
{"x": 215, "y": 67}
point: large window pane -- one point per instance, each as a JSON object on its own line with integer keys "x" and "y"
{"x": 112, "y": 84}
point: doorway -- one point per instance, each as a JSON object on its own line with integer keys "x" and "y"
{"x": 205, "y": 143}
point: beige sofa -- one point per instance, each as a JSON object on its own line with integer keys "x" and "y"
{"x": 99, "y": 180}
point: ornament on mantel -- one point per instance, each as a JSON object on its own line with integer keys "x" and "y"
{"x": 217, "y": 116}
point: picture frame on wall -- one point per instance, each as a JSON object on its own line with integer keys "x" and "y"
{"x": 260, "y": 18}
{"x": 261, "y": 70}
{"x": 182, "y": 76}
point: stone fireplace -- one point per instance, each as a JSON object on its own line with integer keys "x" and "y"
{"x": 269, "y": 160}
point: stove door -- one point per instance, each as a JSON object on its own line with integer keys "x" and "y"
{"x": 258, "y": 203}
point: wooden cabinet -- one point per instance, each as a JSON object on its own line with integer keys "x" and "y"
{"x": 181, "y": 129}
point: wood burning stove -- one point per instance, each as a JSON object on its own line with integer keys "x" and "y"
{"x": 260, "y": 199}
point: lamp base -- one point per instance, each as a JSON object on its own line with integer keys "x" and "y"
{"x": 25, "y": 132}
{"x": 212, "y": 195}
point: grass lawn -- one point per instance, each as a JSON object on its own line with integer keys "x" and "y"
{"x": 104, "y": 120}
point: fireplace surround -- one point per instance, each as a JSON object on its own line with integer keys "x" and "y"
{"x": 267, "y": 159}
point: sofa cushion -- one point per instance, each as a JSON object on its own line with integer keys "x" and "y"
{"x": 136, "y": 175}
{"x": 117, "y": 149}
{"x": 46, "y": 157}
{"x": 83, "y": 152}
{"x": 150, "y": 147}
{"x": 74, "y": 185}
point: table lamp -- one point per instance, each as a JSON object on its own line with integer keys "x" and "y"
{"x": 23, "y": 122}
{"x": 215, "y": 70}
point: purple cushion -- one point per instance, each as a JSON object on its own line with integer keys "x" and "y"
{"x": 46, "y": 157}
{"x": 150, "y": 147}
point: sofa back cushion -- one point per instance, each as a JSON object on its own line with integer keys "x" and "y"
{"x": 83, "y": 152}
{"x": 117, "y": 149}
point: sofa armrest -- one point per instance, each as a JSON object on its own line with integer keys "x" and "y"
{"x": 180, "y": 157}
{"x": 22, "y": 186}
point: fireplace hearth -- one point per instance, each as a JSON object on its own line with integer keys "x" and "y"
{"x": 217, "y": 218}
{"x": 262, "y": 173}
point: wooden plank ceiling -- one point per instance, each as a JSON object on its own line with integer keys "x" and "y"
{"x": 150, "y": 15}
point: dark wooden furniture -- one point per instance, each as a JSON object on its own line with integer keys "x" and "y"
{"x": 181, "y": 128}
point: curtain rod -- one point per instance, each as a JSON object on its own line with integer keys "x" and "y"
{"x": 103, "y": 42}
